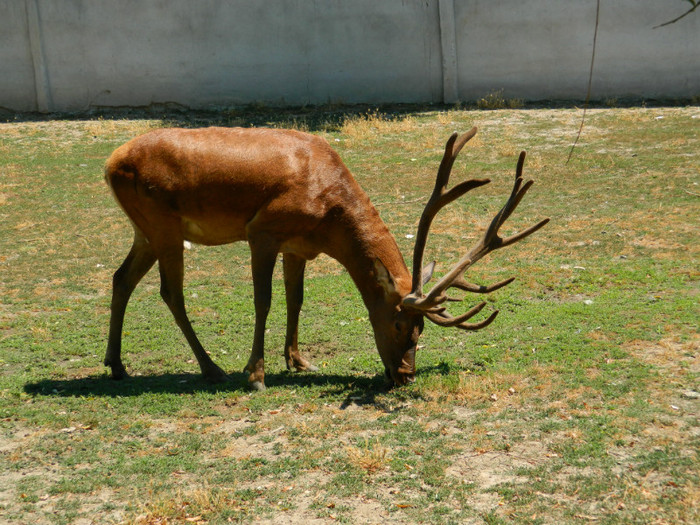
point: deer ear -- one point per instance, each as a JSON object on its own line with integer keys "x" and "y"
{"x": 427, "y": 273}
{"x": 384, "y": 278}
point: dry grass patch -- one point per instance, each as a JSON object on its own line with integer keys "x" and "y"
{"x": 505, "y": 389}
{"x": 370, "y": 458}
{"x": 671, "y": 354}
{"x": 361, "y": 127}
{"x": 195, "y": 506}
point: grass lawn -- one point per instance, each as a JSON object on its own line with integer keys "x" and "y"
{"x": 579, "y": 404}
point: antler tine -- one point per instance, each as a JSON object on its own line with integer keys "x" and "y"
{"x": 520, "y": 236}
{"x": 480, "y": 324}
{"x": 462, "y": 284}
{"x": 491, "y": 238}
{"x": 452, "y": 148}
{"x": 517, "y": 194}
{"x": 439, "y": 198}
{"x": 442, "y": 319}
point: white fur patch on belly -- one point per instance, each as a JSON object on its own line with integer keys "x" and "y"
{"x": 191, "y": 230}
{"x": 208, "y": 234}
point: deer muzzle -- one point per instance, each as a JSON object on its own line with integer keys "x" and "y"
{"x": 406, "y": 371}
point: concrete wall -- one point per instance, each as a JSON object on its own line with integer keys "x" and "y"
{"x": 66, "y": 55}
{"x": 541, "y": 49}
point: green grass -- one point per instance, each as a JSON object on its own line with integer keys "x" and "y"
{"x": 578, "y": 405}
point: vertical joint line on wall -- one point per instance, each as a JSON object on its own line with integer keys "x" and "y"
{"x": 448, "y": 43}
{"x": 42, "y": 86}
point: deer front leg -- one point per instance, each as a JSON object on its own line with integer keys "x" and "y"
{"x": 132, "y": 270}
{"x": 263, "y": 257}
{"x": 294, "y": 290}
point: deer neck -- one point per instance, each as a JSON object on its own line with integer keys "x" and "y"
{"x": 364, "y": 240}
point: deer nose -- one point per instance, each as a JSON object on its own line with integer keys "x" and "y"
{"x": 406, "y": 373}
{"x": 408, "y": 362}
{"x": 399, "y": 377}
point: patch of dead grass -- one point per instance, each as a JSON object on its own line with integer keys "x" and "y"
{"x": 656, "y": 243}
{"x": 194, "y": 505}
{"x": 371, "y": 457}
{"x": 505, "y": 389}
{"x": 670, "y": 353}
{"x": 362, "y": 127}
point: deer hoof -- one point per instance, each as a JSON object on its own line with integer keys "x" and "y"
{"x": 257, "y": 385}
{"x": 119, "y": 372}
{"x": 301, "y": 365}
{"x": 216, "y": 376}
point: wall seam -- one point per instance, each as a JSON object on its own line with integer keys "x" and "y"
{"x": 42, "y": 86}
{"x": 448, "y": 44}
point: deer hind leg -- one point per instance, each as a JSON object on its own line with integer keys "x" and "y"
{"x": 294, "y": 290}
{"x": 264, "y": 252}
{"x": 171, "y": 266}
{"x": 140, "y": 259}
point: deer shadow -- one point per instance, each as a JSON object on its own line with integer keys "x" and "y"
{"x": 357, "y": 390}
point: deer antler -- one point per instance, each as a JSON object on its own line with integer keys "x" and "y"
{"x": 430, "y": 304}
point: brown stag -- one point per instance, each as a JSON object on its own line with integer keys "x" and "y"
{"x": 285, "y": 192}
